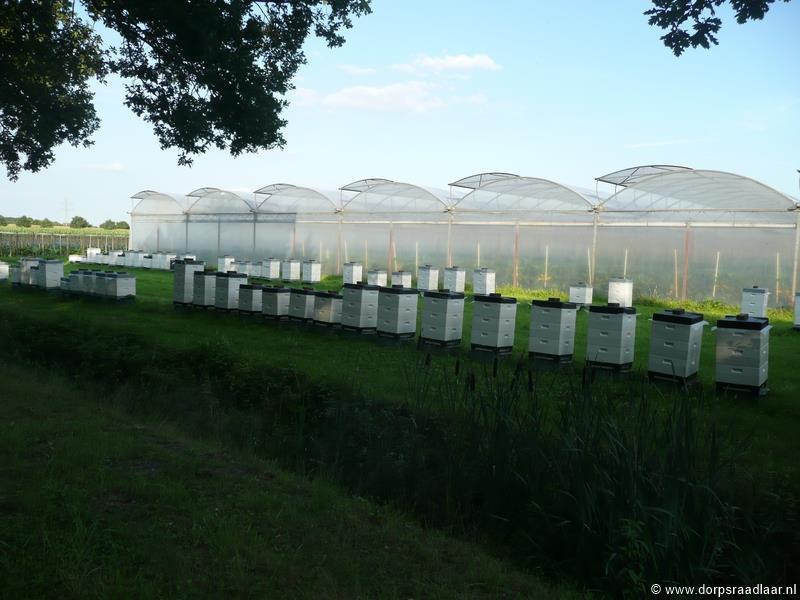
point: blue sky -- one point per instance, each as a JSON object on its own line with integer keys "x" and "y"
{"x": 428, "y": 92}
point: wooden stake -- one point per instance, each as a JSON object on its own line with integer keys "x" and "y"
{"x": 675, "y": 284}
{"x": 346, "y": 254}
{"x": 778, "y": 279}
{"x": 625, "y": 264}
{"x": 685, "y": 286}
{"x": 515, "y": 278}
{"x": 589, "y": 263}
{"x": 303, "y": 248}
{"x": 366, "y": 255}
{"x": 716, "y": 276}
{"x": 546, "y": 265}
{"x": 416, "y": 259}
{"x": 478, "y": 254}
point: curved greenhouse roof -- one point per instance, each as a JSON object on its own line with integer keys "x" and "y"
{"x": 631, "y": 175}
{"x": 288, "y": 198}
{"x": 475, "y": 181}
{"x": 215, "y": 201}
{"x": 693, "y": 195}
{"x": 525, "y": 198}
{"x": 157, "y": 203}
{"x": 363, "y": 184}
{"x": 390, "y": 197}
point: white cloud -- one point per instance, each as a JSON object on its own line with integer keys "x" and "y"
{"x": 112, "y": 167}
{"x": 658, "y": 144}
{"x": 356, "y": 70}
{"x": 410, "y": 96}
{"x": 455, "y": 62}
{"x": 472, "y": 99}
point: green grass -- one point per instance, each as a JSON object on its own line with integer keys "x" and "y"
{"x": 384, "y": 371}
{"x": 97, "y": 503}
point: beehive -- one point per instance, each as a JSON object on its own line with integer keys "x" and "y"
{"x": 125, "y": 285}
{"x": 742, "y": 352}
{"x": 301, "y": 304}
{"x": 428, "y": 279}
{"x": 312, "y": 271}
{"x": 360, "y": 307}
{"x": 327, "y": 308}
{"x": 353, "y": 272}
{"x": 620, "y": 291}
{"x": 77, "y": 258}
{"x": 581, "y": 294}
{"x": 3, "y": 271}
{"x": 92, "y": 254}
{"x": 397, "y": 312}
{"x": 204, "y": 288}
{"x": 676, "y": 339}
{"x": 797, "y": 311}
{"x": 290, "y": 270}
{"x": 454, "y": 279}
{"x": 183, "y": 281}
{"x": 250, "y": 298}
{"x": 257, "y": 269}
{"x": 50, "y": 273}
{"x": 754, "y": 301}
{"x": 65, "y": 285}
{"x": 225, "y": 263}
{"x": 377, "y": 277}
{"x": 147, "y": 261}
{"x": 226, "y": 292}
{"x": 275, "y": 302}
{"x": 271, "y": 268}
{"x": 552, "y": 332}
{"x": 15, "y": 275}
{"x": 493, "y": 323}
{"x": 483, "y": 281}
{"x": 442, "y": 318}
{"x": 99, "y": 284}
{"x": 611, "y": 336}
{"x": 402, "y": 278}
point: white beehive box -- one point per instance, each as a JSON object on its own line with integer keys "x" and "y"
{"x": 226, "y": 292}
{"x": 99, "y": 284}
{"x": 611, "y": 336}
{"x": 552, "y": 333}
{"x": 360, "y": 307}
{"x": 169, "y": 260}
{"x": 401, "y": 278}
{"x": 125, "y": 286}
{"x": 581, "y": 293}
{"x": 797, "y": 310}
{"x": 15, "y": 275}
{"x": 76, "y": 282}
{"x": 327, "y": 308}
{"x": 257, "y": 269}
{"x": 204, "y": 288}
{"x": 442, "y": 318}
{"x": 32, "y": 278}
{"x": 138, "y": 259}
{"x": 754, "y": 301}
{"x": 312, "y": 271}
{"x": 116, "y": 258}
{"x": 275, "y": 302}
{"x": 290, "y": 270}
{"x": 271, "y": 268}
{"x": 676, "y": 339}
{"x": 454, "y": 279}
{"x": 147, "y": 261}
{"x": 64, "y": 287}
{"x": 110, "y": 284}
{"x": 92, "y": 254}
{"x": 483, "y": 282}
{"x": 377, "y": 277}
{"x": 428, "y": 279}
{"x": 225, "y": 263}
{"x": 620, "y": 291}
{"x": 3, "y": 271}
{"x": 188, "y": 257}
{"x": 301, "y": 304}
{"x": 742, "y": 352}
{"x": 183, "y": 281}
{"x": 50, "y": 274}
{"x": 493, "y": 323}
{"x": 76, "y": 258}
{"x": 250, "y": 298}
{"x": 397, "y": 311}
{"x": 353, "y": 272}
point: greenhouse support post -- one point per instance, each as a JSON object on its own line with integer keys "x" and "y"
{"x": 515, "y": 272}
{"x": 449, "y": 240}
{"x": 255, "y": 218}
{"x": 716, "y": 277}
{"x": 158, "y": 239}
{"x": 477, "y": 254}
{"x": 796, "y": 253}
{"x": 625, "y": 264}
{"x": 675, "y": 283}
{"x": 186, "y": 234}
{"x": 219, "y": 236}
{"x": 390, "y": 258}
{"x": 685, "y": 282}
{"x": 416, "y": 259}
{"x": 777, "y": 279}
{"x": 366, "y": 255}
{"x": 339, "y": 247}
{"x": 594, "y": 248}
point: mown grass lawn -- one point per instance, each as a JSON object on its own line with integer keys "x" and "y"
{"x": 386, "y": 370}
{"x": 95, "y": 502}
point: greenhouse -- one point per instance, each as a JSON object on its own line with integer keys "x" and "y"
{"x": 677, "y": 231}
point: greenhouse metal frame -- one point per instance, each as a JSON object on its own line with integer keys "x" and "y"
{"x": 532, "y": 231}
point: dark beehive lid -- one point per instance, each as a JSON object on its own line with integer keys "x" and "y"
{"x": 496, "y": 298}
{"x": 678, "y": 315}
{"x": 743, "y": 321}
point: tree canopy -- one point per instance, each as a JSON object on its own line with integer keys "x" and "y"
{"x": 204, "y": 73}
{"x": 693, "y": 23}
{"x": 79, "y": 223}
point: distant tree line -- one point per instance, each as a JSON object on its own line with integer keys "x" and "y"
{"x": 77, "y": 222}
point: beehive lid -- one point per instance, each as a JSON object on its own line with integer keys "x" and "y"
{"x": 311, "y": 261}
{"x": 401, "y": 273}
{"x": 620, "y": 280}
{"x": 454, "y": 268}
{"x": 484, "y": 270}
{"x": 613, "y": 309}
{"x": 51, "y": 262}
{"x": 235, "y": 275}
{"x": 303, "y": 291}
{"x": 743, "y": 321}
{"x": 251, "y": 286}
{"x": 678, "y": 315}
{"x": 376, "y": 272}
{"x": 496, "y": 298}
{"x": 362, "y": 286}
{"x": 581, "y": 284}
{"x": 276, "y": 289}
{"x": 328, "y": 295}
{"x": 755, "y": 290}
{"x": 397, "y": 289}
{"x": 555, "y": 303}
{"x": 445, "y": 294}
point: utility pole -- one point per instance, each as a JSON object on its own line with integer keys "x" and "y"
{"x": 66, "y": 218}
